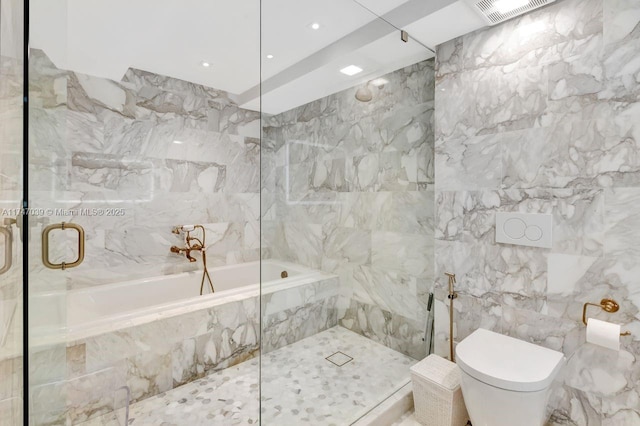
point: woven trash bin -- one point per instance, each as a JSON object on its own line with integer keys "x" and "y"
{"x": 437, "y": 395}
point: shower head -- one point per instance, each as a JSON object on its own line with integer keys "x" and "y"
{"x": 364, "y": 94}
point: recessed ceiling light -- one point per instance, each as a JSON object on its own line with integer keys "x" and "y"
{"x": 269, "y": 56}
{"x": 177, "y": 142}
{"x": 506, "y": 6}
{"x": 315, "y": 26}
{"x": 379, "y": 82}
{"x": 351, "y": 70}
{"x": 205, "y": 64}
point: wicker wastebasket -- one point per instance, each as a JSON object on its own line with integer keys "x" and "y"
{"x": 436, "y": 393}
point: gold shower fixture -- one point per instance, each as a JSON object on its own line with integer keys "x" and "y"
{"x": 452, "y": 295}
{"x": 194, "y": 244}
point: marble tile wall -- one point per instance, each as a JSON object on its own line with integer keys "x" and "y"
{"x": 11, "y": 145}
{"x": 541, "y": 115}
{"x": 347, "y": 187}
{"x": 163, "y": 151}
{"x": 293, "y": 314}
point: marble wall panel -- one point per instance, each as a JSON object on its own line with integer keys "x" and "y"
{"x": 292, "y": 314}
{"x": 166, "y": 151}
{"x": 557, "y": 134}
{"x": 395, "y": 331}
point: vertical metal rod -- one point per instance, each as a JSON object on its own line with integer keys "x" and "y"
{"x": 452, "y": 295}
{"x": 25, "y": 218}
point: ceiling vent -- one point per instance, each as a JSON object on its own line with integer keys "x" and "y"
{"x": 496, "y": 11}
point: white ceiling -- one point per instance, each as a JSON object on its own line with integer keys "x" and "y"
{"x": 172, "y": 37}
{"x": 377, "y": 58}
{"x": 287, "y": 33}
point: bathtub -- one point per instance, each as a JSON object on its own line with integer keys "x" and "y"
{"x": 154, "y": 334}
{"x": 77, "y": 314}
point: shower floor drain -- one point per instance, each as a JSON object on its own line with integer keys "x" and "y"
{"x": 339, "y": 358}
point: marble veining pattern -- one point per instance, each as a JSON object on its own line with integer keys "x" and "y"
{"x": 545, "y": 120}
{"x": 165, "y": 151}
{"x": 76, "y": 381}
{"x": 299, "y": 386}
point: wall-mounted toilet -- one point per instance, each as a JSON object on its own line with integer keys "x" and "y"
{"x": 506, "y": 381}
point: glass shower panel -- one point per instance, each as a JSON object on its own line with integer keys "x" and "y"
{"x": 139, "y": 147}
{"x": 347, "y": 211}
{"x": 11, "y": 194}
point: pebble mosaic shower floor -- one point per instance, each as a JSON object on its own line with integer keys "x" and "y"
{"x": 299, "y": 386}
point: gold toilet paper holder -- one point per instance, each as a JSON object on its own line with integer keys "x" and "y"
{"x": 608, "y": 305}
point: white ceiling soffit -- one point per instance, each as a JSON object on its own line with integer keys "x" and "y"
{"x": 380, "y": 7}
{"x": 428, "y": 22}
{"x": 173, "y": 38}
{"x": 405, "y": 13}
{"x": 380, "y": 57}
{"x": 447, "y": 23}
{"x": 287, "y": 32}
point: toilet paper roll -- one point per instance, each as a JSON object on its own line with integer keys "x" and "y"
{"x": 603, "y": 333}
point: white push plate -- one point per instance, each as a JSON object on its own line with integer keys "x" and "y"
{"x": 524, "y": 229}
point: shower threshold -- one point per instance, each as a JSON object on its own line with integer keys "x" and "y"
{"x": 331, "y": 378}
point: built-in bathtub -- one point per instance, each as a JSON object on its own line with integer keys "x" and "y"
{"x": 80, "y": 313}
{"x": 154, "y": 334}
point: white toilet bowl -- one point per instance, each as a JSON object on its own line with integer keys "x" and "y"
{"x": 506, "y": 381}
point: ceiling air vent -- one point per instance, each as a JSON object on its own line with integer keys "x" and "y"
{"x": 496, "y": 11}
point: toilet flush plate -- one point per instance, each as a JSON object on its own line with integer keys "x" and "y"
{"x": 524, "y": 229}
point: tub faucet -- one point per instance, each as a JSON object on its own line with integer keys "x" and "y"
{"x": 187, "y": 251}
{"x": 194, "y": 244}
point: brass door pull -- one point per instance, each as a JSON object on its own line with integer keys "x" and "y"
{"x": 45, "y": 245}
{"x": 8, "y": 248}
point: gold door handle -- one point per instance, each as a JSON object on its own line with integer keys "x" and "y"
{"x": 8, "y": 248}
{"x": 45, "y": 245}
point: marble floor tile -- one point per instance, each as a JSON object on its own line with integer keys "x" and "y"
{"x": 299, "y": 386}
{"x": 408, "y": 419}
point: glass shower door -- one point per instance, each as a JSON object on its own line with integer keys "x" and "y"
{"x": 137, "y": 136}
{"x": 11, "y": 189}
{"x": 65, "y": 383}
{"x": 74, "y": 376}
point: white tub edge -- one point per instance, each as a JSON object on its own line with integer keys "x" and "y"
{"x": 71, "y": 337}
